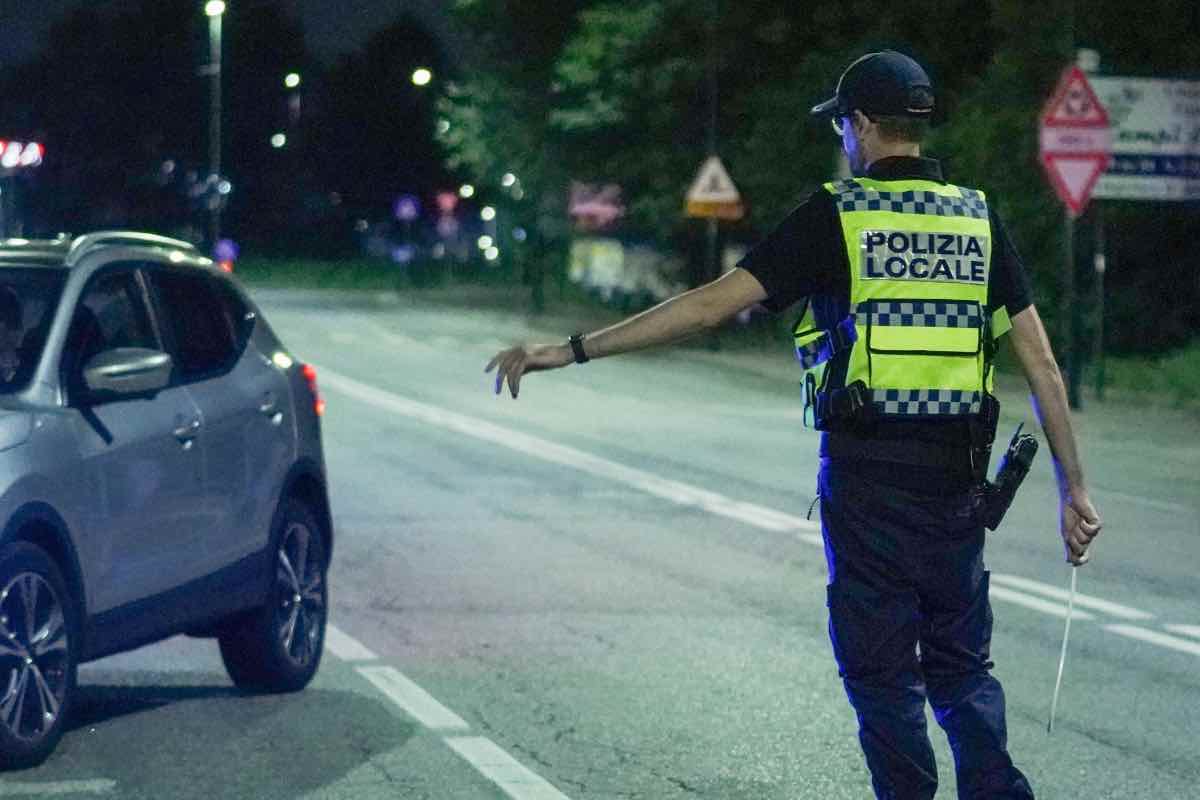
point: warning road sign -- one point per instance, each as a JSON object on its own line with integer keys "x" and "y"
{"x": 1075, "y": 140}
{"x": 713, "y": 194}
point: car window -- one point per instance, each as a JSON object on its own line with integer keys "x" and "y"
{"x": 111, "y": 313}
{"x": 28, "y": 298}
{"x": 207, "y": 320}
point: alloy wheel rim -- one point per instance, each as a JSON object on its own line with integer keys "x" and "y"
{"x": 34, "y": 656}
{"x": 300, "y": 584}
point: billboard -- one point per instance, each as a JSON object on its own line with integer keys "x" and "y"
{"x": 1155, "y": 125}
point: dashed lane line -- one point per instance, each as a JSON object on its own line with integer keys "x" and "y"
{"x": 1026, "y": 592}
{"x": 1083, "y": 600}
{"x": 413, "y": 699}
{"x": 1036, "y": 603}
{"x": 488, "y": 758}
{"x": 1185, "y": 630}
{"x": 346, "y": 648}
{"x": 1155, "y": 637}
{"x": 513, "y": 777}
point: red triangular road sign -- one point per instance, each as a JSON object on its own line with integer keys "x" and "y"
{"x": 1074, "y": 176}
{"x": 1074, "y": 103}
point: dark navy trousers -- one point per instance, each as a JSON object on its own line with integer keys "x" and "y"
{"x": 909, "y": 620}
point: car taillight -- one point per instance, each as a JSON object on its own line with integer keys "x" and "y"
{"x": 310, "y": 375}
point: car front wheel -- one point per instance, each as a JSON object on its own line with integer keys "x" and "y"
{"x": 277, "y": 648}
{"x": 38, "y": 655}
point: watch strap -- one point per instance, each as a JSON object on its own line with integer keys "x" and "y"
{"x": 576, "y": 342}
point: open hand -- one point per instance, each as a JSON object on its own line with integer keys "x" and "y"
{"x": 1079, "y": 524}
{"x": 516, "y": 361}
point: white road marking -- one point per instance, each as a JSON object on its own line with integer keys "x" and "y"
{"x": 1036, "y": 603}
{"x": 715, "y": 503}
{"x": 1155, "y": 637}
{"x": 513, "y": 778}
{"x": 675, "y": 491}
{"x": 413, "y": 699}
{"x": 345, "y": 647}
{"x": 43, "y": 789}
{"x": 1084, "y": 600}
{"x": 1184, "y": 630}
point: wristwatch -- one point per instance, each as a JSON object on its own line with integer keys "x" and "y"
{"x": 576, "y": 342}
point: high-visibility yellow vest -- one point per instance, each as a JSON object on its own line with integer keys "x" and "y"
{"x": 918, "y": 338}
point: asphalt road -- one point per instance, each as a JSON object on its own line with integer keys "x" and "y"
{"x": 607, "y": 589}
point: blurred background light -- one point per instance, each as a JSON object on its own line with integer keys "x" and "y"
{"x": 485, "y": 242}
{"x": 466, "y": 190}
{"x": 421, "y": 76}
{"x": 487, "y": 213}
{"x": 214, "y": 8}
{"x": 278, "y": 140}
{"x": 292, "y": 80}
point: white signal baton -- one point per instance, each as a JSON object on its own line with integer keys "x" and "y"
{"x": 1062, "y": 658}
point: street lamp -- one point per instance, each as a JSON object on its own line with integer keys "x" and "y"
{"x": 421, "y": 76}
{"x": 214, "y": 10}
{"x": 291, "y": 80}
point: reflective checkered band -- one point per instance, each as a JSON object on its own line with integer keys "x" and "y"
{"x": 926, "y": 402}
{"x": 811, "y": 354}
{"x": 852, "y": 196}
{"x": 920, "y": 314}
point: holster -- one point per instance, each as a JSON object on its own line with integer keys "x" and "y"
{"x": 982, "y": 428}
{"x": 839, "y": 409}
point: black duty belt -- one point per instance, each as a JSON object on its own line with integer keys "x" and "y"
{"x": 845, "y": 447}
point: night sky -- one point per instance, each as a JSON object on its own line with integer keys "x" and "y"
{"x": 332, "y": 27}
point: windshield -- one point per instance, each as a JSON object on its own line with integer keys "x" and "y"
{"x": 28, "y": 297}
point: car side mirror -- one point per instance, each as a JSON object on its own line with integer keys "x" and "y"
{"x": 127, "y": 372}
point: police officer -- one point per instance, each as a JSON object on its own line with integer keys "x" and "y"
{"x": 908, "y": 283}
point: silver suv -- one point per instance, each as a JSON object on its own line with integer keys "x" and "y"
{"x": 161, "y": 472}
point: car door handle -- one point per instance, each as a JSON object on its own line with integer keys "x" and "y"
{"x": 268, "y": 406}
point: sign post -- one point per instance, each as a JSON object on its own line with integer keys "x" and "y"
{"x": 713, "y": 196}
{"x": 1075, "y": 148}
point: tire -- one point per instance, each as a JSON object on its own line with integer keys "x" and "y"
{"x": 39, "y": 654}
{"x": 277, "y": 648}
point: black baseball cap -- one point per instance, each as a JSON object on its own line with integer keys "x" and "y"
{"x": 886, "y": 82}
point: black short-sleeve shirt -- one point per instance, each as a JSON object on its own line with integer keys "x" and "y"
{"x": 805, "y": 256}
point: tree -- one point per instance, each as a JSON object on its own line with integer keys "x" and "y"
{"x": 495, "y": 112}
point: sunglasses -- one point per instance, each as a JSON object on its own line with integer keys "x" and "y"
{"x": 836, "y": 122}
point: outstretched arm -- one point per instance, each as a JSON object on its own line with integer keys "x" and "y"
{"x": 677, "y": 318}
{"x": 1079, "y": 521}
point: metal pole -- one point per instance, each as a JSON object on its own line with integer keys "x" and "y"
{"x": 1100, "y": 265}
{"x": 214, "y": 128}
{"x": 713, "y": 232}
{"x": 1071, "y": 359}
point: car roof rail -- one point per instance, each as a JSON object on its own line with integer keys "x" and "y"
{"x": 82, "y": 244}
